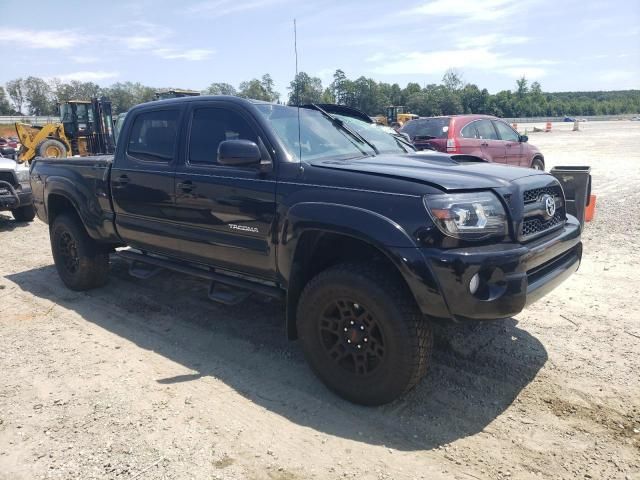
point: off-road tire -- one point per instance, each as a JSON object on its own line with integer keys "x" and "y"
{"x": 24, "y": 214}
{"x": 537, "y": 164}
{"x": 406, "y": 335}
{"x": 81, "y": 262}
{"x": 49, "y": 145}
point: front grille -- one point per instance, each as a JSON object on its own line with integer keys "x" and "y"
{"x": 535, "y": 225}
{"x": 535, "y": 221}
{"x": 531, "y": 196}
{"x": 8, "y": 177}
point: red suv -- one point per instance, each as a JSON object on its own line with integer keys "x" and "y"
{"x": 484, "y": 136}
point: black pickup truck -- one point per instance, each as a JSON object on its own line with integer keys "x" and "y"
{"x": 366, "y": 241}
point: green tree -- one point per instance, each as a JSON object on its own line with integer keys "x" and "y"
{"x": 39, "y": 96}
{"x": 16, "y": 92}
{"x": 259, "y": 89}
{"x": 220, "y": 89}
{"x": 267, "y": 84}
{"x": 327, "y": 96}
{"x": 5, "y": 106}
{"x": 523, "y": 87}
{"x": 305, "y": 89}
{"x": 125, "y": 95}
{"x": 452, "y": 80}
{"x": 75, "y": 90}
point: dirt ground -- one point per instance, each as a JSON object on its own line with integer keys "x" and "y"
{"x": 150, "y": 380}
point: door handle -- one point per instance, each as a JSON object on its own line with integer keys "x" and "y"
{"x": 186, "y": 186}
{"x": 121, "y": 181}
{"x": 485, "y": 144}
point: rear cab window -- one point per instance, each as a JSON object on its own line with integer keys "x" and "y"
{"x": 153, "y": 136}
{"x": 427, "y": 128}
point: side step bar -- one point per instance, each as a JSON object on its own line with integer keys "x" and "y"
{"x": 224, "y": 279}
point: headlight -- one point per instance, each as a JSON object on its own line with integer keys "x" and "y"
{"x": 468, "y": 216}
{"x": 23, "y": 175}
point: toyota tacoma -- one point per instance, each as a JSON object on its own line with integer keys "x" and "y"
{"x": 366, "y": 241}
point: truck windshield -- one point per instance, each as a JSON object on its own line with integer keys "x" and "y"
{"x": 318, "y": 138}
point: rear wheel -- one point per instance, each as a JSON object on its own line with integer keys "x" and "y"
{"x": 81, "y": 262}
{"x": 52, "y": 148}
{"x": 363, "y": 334}
{"x": 24, "y": 214}
{"x": 537, "y": 164}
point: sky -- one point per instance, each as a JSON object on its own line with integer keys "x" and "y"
{"x": 566, "y": 45}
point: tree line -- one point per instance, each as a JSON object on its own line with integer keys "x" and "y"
{"x": 37, "y": 96}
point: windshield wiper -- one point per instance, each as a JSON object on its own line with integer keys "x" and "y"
{"x": 403, "y": 142}
{"x": 340, "y": 124}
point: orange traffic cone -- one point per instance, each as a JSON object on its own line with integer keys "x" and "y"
{"x": 515, "y": 126}
{"x": 591, "y": 208}
{"x": 548, "y": 127}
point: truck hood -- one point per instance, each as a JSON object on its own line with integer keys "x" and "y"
{"x": 7, "y": 164}
{"x": 447, "y": 172}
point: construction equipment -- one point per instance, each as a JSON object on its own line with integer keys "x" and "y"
{"x": 174, "y": 93}
{"x": 85, "y": 128}
{"x": 396, "y": 115}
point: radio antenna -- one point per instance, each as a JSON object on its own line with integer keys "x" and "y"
{"x": 295, "y": 49}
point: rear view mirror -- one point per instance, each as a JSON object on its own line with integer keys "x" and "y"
{"x": 238, "y": 152}
{"x": 524, "y": 138}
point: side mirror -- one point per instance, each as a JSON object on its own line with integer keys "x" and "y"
{"x": 524, "y": 138}
{"x": 238, "y": 152}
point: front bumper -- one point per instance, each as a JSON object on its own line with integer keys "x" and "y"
{"x": 10, "y": 198}
{"x": 512, "y": 276}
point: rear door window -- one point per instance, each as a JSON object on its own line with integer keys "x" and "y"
{"x": 427, "y": 128}
{"x": 469, "y": 131}
{"x": 485, "y": 130}
{"x": 506, "y": 132}
{"x": 153, "y": 136}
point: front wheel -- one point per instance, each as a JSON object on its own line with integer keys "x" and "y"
{"x": 363, "y": 334}
{"x": 80, "y": 261}
{"x": 24, "y": 214}
{"x": 537, "y": 164}
{"x": 52, "y": 148}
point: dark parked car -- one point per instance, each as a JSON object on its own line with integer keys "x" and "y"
{"x": 365, "y": 241}
{"x": 15, "y": 190}
{"x": 484, "y": 136}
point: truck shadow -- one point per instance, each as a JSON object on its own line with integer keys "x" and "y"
{"x": 476, "y": 374}
{"x": 8, "y": 223}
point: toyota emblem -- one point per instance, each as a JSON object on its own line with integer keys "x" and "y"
{"x": 549, "y": 205}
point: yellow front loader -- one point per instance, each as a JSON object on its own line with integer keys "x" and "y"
{"x": 47, "y": 141}
{"x": 85, "y": 128}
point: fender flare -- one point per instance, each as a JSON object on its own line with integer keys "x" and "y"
{"x": 368, "y": 226}
{"x": 356, "y": 222}
{"x": 83, "y": 201}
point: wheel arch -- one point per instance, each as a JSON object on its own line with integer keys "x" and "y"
{"x": 317, "y": 235}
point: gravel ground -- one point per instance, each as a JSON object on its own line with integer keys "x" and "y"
{"x": 148, "y": 379}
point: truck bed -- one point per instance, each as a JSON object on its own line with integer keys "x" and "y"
{"x": 82, "y": 181}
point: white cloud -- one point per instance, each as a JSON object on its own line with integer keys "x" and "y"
{"x": 194, "y": 54}
{"x": 219, "y": 8}
{"x": 614, "y": 76}
{"x": 437, "y": 62}
{"x": 489, "y": 40}
{"x": 140, "y": 42}
{"x": 87, "y": 76}
{"x": 52, "y": 39}
{"x": 84, "y": 59}
{"x": 473, "y": 10}
{"x": 526, "y": 71}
